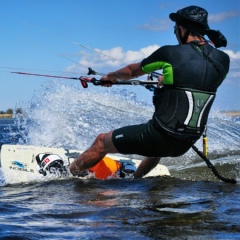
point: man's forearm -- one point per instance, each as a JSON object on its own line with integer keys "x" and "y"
{"x": 146, "y": 166}
{"x": 126, "y": 73}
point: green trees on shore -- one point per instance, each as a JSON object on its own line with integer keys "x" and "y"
{"x": 10, "y": 111}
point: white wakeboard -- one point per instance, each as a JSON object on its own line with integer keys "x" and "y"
{"x": 19, "y": 165}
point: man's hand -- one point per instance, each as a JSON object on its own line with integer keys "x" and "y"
{"x": 108, "y": 78}
{"x": 160, "y": 81}
{"x": 146, "y": 166}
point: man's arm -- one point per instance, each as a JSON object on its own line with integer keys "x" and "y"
{"x": 146, "y": 166}
{"x": 126, "y": 73}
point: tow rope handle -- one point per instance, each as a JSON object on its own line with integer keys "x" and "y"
{"x": 85, "y": 80}
{"x": 94, "y": 81}
{"x": 149, "y": 84}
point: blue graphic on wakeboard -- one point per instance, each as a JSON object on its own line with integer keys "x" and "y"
{"x": 18, "y": 164}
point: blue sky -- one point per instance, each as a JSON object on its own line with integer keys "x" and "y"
{"x": 63, "y": 37}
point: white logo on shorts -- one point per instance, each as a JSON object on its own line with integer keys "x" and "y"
{"x": 119, "y": 136}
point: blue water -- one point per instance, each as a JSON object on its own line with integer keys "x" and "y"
{"x": 191, "y": 204}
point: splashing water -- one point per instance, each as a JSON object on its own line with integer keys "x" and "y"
{"x": 69, "y": 116}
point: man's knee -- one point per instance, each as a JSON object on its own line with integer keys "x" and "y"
{"x": 99, "y": 142}
{"x": 104, "y": 143}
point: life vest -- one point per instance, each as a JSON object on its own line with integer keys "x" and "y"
{"x": 185, "y": 112}
{"x": 192, "y": 73}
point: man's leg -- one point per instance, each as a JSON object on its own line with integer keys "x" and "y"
{"x": 146, "y": 166}
{"x": 101, "y": 146}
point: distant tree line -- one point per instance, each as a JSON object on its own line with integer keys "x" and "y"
{"x": 10, "y": 111}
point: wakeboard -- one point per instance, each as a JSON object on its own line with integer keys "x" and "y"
{"x": 19, "y": 165}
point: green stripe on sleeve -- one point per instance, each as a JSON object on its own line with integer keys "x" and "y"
{"x": 166, "y": 67}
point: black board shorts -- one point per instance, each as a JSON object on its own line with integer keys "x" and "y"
{"x": 148, "y": 140}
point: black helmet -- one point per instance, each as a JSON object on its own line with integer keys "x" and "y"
{"x": 196, "y": 18}
{"x": 191, "y": 15}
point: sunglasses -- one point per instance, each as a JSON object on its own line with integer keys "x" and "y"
{"x": 175, "y": 29}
